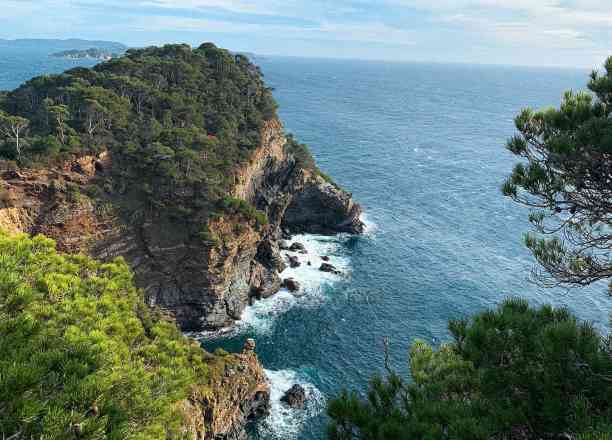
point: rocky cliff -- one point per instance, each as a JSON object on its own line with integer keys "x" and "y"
{"x": 239, "y": 394}
{"x": 204, "y": 283}
{"x": 207, "y": 283}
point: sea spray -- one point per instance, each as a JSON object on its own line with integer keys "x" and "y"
{"x": 259, "y": 317}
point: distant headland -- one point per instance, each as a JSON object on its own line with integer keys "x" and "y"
{"x": 91, "y": 53}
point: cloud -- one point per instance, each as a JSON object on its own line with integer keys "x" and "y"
{"x": 512, "y": 31}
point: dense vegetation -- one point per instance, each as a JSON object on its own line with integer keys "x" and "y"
{"x": 81, "y": 356}
{"x": 510, "y": 373}
{"x": 517, "y": 372}
{"x": 177, "y": 120}
{"x": 566, "y": 178}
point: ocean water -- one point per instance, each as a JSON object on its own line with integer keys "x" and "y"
{"x": 421, "y": 147}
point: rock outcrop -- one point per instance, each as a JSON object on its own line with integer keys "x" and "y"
{"x": 238, "y": 395}
{"x": 295, "y": 397}
{"x": 291, "y": 285}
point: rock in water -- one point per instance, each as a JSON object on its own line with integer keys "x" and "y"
{"x": 249, "y": 345}
{"x": 323, "y": 208}
{"x": 295, "y": 397}
{"x": 326, "y": 267}
{"x": 291, "y": 285}
{"x": 294, "y": 262}
{"x": 325, "y": 258}
{"x": 298, "y": 247}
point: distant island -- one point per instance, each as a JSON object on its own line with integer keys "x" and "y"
{"x": 91, "y": 53}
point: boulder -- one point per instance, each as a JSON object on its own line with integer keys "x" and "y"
{"x": 294, "y": 262}
{"x": 291, "y": 285}
{"x": 249, "y": 345}
{"x": 326, "y": 267}
{"x": 298, "y": 247}
{"x": 321, "y": 207}
{"x": 325, "y": 258}
{"x": 295, "y": 397}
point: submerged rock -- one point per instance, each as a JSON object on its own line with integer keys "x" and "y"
{"x": 298, "y": 247}
{"x": 330, "y": 268}
{"x": 325, "y": 258}
{"x": 285, "y": 234}
{"x": 295, "y": 397}
{"x": 291, "y": 285}
{"x": 294, "y": 262}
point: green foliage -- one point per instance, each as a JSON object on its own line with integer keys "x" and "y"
{"x": 80, "y": 353}
{"x": 233, "y": 205}
{"x": 564, "y": 176}
{"x": 513, "y": 372}
{"x": 303, "y": 158}
{"x": 301, "y": 153}
{"x": 173, "y": 118}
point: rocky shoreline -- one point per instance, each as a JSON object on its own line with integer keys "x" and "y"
{"x": 203, "y": 285}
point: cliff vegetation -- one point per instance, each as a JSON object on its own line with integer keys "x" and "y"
{"x": 82, "y": 356}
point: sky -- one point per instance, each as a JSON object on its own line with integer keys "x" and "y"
{"x": 568, "y": 33}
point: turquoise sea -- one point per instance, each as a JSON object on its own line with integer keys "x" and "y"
{"x": 421, "y": 147}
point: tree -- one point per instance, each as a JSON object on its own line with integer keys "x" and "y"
{"x": 61, "y": 113}
{"x": 14, "y": 127}
{"x": 511, "y": 373}
{"x": 82, "y": 356}
{"x": 566, "y": 179}
{"x": 95, "y": 116}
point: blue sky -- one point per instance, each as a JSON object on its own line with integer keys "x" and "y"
{"x": 572, "y": 33}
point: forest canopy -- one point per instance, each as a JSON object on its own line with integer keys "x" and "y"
{"x": 172, "y": 114}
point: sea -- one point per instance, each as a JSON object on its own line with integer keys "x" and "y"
{"x": 421, "y": 147}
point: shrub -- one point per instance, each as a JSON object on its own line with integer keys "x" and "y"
{"x": 81, "y": 352}
{"x": 244, "y": 208}
{"x": 513, "y": 372}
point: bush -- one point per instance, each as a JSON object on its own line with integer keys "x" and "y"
{"x": 513, "y": 372}
{"x": 81, "y": 353}
{"x": 244, "y": 208}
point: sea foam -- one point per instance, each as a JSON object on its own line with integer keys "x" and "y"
{"x": 259, "y": 317}
{"x": 285, "y": 422}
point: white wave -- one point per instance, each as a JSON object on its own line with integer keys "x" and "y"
{"x": 284, "y": 422}
{"x": 259, "y": 317}
{"x": 370, "y": 226}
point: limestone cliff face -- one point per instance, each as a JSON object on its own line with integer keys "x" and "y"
{"x": 206, "y": 285}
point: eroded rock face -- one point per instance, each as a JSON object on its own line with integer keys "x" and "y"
{"x": 205, "y": 285}
{"x": 237, "y": 396}
{"x": 322, "y": 208}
